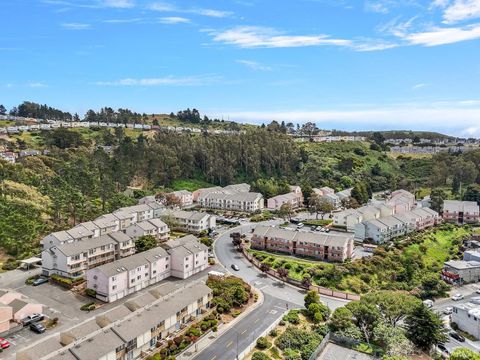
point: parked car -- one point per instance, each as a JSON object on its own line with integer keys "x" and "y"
{"x": 457, "y": 297}
{"x": 32, "y": 319}
{"x": 456, "y": 336}
{"x": 300, "y": 225}
{"x": 428, "y": 303}
{"x": 39, "y": 281}
{"x": 448, "y": 310}
{"x": 37, "y": 327}
{"x": 443, "y": 351}
{"x": 235, "y": 267}
{"x": 4, "y": 344}
{"x": 477, "y": 291}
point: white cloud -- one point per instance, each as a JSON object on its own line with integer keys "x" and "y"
{"x": 439, "y": 3}
{"x": 121, "y": 4}
{"x": 442, "y": 36}
{"x": 462, "y": 10}
{"x": 174, "y": 20}
{"x": 36, "y": 85}
{"x": 264, "y": 37}
{"x": 254, "y": 65}
{"x": 377, "y": 7}
{"x": 122, "y": 21}
{"x": 420, "y": 86}
{"x": 76, "y": 26}
{"x": 164, "y": 81}
{"x": 167, "y": 7}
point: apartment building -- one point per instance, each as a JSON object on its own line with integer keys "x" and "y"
{"x": 185, "y": 197}
{"x": 189, "y": 221}
{"x": 400, "y": 202}
{"x": 459, "y": 272}
{"x": 387, "y": 228}
{"x": 126, "y": 276}
{"x": 73, "y": 259}
{"x": 153, "y": 227}
{"x": 294, "y": 199}
{"x": 123, "y": 333}
{"x": 188, "y": 256}
{"x": 321, "y": 246}
{"x": 239, "y": 201}
{"x": 467, "y": 317}
{"x": 78, "y": 233}
{"x": 461, "y": 212}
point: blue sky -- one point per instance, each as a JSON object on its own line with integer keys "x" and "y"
{"x": 359, "y": 64}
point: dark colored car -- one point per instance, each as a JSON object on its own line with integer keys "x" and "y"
{"x": 442, "y": 348}
{"x": 32, "y": 319}
{"x": 39, "y": 281}
{"x": 457, "y": 336}
{"x": 37, "y": 327}
{"x": 235, "y": 267}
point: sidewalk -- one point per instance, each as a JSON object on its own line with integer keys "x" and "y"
{"x": 209, "y": 339}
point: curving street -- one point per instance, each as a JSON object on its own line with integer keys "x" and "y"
{"x": 277, "y": 297}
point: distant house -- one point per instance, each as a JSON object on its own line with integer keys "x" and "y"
{"x": 185, "y": 197}
{"x": 14, "y": 307}
{"x": 238, "y": 201}
{"x": 190, "y": 221}
{"x": 294, "y": 198}
{"x": 461, "y": 212}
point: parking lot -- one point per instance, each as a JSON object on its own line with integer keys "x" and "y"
{"x": 63, "y": 304}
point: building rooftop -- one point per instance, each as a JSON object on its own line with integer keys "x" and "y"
{"x": 462, "y": 264}
{"x": 460, "y": 206}
{"x": 82, "y": 246}
{"x": 97, "y": 346}
{"x": 132, "y": 262}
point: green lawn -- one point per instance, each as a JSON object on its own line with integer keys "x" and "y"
{"x": 439, "y": 245}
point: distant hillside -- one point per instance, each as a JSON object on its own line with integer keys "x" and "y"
{"x": 396, "y": 134}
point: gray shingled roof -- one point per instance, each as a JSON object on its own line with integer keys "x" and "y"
{"x": 82, "y": 246}
{"x": 131, "y": 262}
{"x": 97, "y": 346}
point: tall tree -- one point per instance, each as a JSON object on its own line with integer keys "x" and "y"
{"x": 319, "y": 205}
{"x": 425, "y": 328}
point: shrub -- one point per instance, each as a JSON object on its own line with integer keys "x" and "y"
{"x": 91, "y": 292}
{"x": 193, "y": 331}
{"x": 263, "y": 343}
{"x": 88, "y": 306}
{"x": 260, "y": 356}
{"x": 290, "y": 354}
{"x": 10, "y": 264}
{"x": 273, "y": 333}
{"x": 292, "y": 317}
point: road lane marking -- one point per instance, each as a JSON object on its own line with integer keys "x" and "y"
{"x": 243, "y": 332}
{"x": 213, "y": 358}
{"x": 230, "y": 344}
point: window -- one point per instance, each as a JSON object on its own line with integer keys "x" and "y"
{"x": 154, "y": 272}
{"x": 139, "y": 277}
{"x": 132, "y": 281}
{"x": 114, "y": 287}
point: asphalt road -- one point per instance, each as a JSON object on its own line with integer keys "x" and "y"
{"x": 277, "y": 296}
